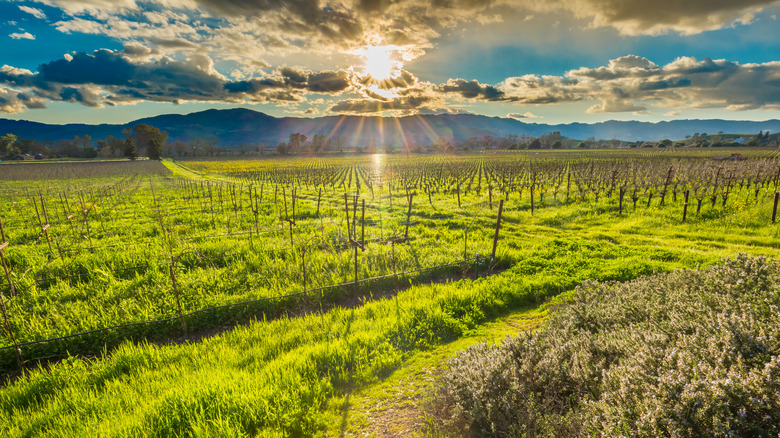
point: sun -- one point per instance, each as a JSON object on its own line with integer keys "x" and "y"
{"x": 379, "y": 62}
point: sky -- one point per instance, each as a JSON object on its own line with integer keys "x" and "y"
{"x": 553, "y": 61}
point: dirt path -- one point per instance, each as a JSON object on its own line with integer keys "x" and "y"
{"x": 393, "y": 406}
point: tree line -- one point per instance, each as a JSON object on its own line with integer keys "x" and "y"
{"x": 147, "y": 141}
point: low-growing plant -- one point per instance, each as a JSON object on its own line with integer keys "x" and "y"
{"x": 688, "y": 353}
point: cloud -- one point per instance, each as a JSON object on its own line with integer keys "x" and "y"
{"x": 635, "y": 17}
{"x": 239, "y": 30}
{"x": 526, "y": 115}
{"x": 533, "y": 89}
{"x": 616, "y": 106}
{"x": 404, "y": 104}
{"x": 138, "y": 73}
{"x": 473, "y": 90}
{"x": 632, "y": 84}
{"x": 103, "y": 67}
{"x": 22, "y": 36}
{"x": 37, "y": 13}
{"x": 626, "y": 66}
{"x": 13, "y": 101}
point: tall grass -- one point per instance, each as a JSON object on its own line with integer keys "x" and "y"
{"x": 274, "y": 377}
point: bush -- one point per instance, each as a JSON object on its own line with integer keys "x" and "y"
{"x": 689, "y": 353}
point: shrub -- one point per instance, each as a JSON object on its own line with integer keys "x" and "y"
{"x": 688, "y": 353}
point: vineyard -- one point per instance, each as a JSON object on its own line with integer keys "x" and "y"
{"x": 95, "y": 255}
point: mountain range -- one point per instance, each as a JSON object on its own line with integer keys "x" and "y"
{"x": 237, "y": 126}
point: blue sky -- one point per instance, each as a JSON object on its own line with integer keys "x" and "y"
{"x": 113, "y": 61}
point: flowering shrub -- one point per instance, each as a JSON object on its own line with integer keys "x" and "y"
{"x": 688, "y": 353}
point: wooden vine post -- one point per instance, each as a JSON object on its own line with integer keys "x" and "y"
{"x": 408, "y": 217}
{"x": 774, "y": 207}
{"x": 352, "y": 234}
{"x": 495, "y": 236}
{"x": 287, "y": 218}
{"x": 173, "y": 259}
{"x": 6, "y": 268}
{"x": 172, "y": 271}
{"x": 303, "y": 268}
{"x": 395, "y": 272}
{"x": 8, "y": 328}
{"x": 319, "y": 198}
{"x": 44, "y": 226}
{"x": 685, "y": 206}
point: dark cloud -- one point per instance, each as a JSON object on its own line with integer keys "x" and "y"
{"x": 473, "y": 90}
{"x": 79, "y": 95}
{"x": 102, "y": 67}
{"x": 404, "y": 79}
{"x": 173, "y": 43}
{"x": 368, "y": 106}
{"x": 664, "y": 84}
{"x": 642, "y": 17}
{"x": 253, "y": 86}
{"x": 107, "y": 77}
{"x": 328, "y": 82}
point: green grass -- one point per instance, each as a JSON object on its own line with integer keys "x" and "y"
{"x": 277, "y": 376}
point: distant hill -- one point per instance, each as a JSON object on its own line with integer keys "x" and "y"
{"x": 236, "y": 126}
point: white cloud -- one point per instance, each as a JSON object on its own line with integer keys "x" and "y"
{"x": 37, "y": 13}
{"x": 635, "y": 84}
{"x": 22, "y": 36}
{"x": 526, "y": 115}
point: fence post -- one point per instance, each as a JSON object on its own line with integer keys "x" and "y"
{"x": 685, "y": 206}
{"x": 774, "y": 208}
{"x": 495, "y": 237}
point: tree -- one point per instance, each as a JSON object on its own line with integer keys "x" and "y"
{"x": 69, "y": 148}
{"x": 282, "y": 148}
{"x": 295, "y": 143}
{"x": 209, "y": 143}
{"x": 7, "y": 145}
{"x": 180, "y": 148}
{"x": 535, "y": 144}
{"x": 155, "y": 149}
{"x": 318, "y": 143}
{"x": 150, "y": 140}
{"x": 130, "y": 150}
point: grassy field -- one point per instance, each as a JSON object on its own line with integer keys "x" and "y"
{"x": 278, "y": 245}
